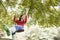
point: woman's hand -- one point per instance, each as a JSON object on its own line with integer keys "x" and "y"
{"x": 26, "y": 13}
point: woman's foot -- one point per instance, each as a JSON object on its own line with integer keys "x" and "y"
{"x": 6, "y": 29}
{"x": 13, "y": 33}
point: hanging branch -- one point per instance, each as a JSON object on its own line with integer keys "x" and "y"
{"x": 3, "y": 6}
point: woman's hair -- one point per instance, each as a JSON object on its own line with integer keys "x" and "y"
{"x": 20, "y": 17}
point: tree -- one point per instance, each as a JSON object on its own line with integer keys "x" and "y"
{"x": 42, "y": 12}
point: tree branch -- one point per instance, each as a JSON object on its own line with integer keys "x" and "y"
{"x": 3, "y": 6}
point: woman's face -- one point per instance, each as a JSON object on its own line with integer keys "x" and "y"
{"x": 23, "y": 16}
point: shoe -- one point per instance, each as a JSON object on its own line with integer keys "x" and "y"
{"x": 13, "y": 33}
{"x": 6, "y": 29}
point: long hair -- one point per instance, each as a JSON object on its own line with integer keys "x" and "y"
{"x": 20, "y": 17}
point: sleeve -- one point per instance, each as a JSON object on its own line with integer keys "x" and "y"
{"x": 15, "y": 20}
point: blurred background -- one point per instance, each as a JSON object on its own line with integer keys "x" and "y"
{"x": 41, "y": 13}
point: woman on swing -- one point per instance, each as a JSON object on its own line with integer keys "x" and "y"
{"x": 19, "y": 24}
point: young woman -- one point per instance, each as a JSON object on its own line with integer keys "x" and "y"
{"x": 19, "y": 24}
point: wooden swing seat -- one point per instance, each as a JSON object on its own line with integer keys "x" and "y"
{"x": 20, "y": 31}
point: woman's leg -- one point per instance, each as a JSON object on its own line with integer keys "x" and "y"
{"x": 8, "y": 30}
{"x": 13, "y": 30}
{"x": 16, "y": 28}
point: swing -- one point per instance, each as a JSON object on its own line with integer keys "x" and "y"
{"x": 20, "y": 30}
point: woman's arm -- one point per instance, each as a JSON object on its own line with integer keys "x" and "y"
{"x": 25, "y": 18}
{"x": 15, "y": 20}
